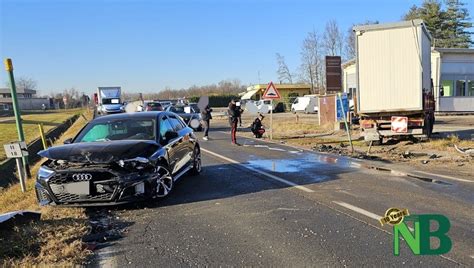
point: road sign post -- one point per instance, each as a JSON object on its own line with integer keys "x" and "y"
{"x": 271, "y": 93}
{"x": 345, "y": 121}
{"x": 16, "y": 109}
{"x": 18, "y": 150}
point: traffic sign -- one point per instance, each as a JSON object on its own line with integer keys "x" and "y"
{"x": 271, "y": 92}
{"x": 15, "y": 150}
{"x": 342, "y": 110}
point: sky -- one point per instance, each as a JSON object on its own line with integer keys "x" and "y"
{"x": 146, "y": 46}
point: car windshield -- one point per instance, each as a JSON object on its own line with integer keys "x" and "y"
{"x": 181, "y": 109}
{"x": 195, "y": 108}
{"x": 123, "y": 129}
{"x": 110, "y": 101}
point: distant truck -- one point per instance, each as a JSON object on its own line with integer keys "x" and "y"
{"x": 394, "y": 87}
{"x": 109, "y": 100}
{"x": 306, "y": 104}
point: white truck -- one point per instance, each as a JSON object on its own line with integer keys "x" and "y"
{"x": 109, "y": 100}
{"x": 394, "y": 88}
{"x": 306, "y": 104}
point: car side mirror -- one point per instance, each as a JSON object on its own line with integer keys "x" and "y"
{"x": 170, "y": 135}
{"x": 68, "y": 141}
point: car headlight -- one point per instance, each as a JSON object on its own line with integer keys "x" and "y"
{"x": 122, "y": 108}
{"x": 45, "y": 173}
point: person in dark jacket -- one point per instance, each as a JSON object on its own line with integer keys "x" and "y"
{"x": 257, "y": 127}
{"x": 206, "y": 118}
{"x": 234, "y": 113}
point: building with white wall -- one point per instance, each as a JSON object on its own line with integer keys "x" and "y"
{"x": 452, "y": 71}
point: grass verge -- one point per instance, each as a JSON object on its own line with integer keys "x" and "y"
{"x": 56, "y": 238}
{"x": 30, "y": 122}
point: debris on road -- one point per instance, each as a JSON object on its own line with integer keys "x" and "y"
{"x": 469, "y": 151}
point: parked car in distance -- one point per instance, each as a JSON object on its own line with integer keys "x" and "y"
{"x": 265, "y": 106}
{"x": 305, "y": 104}
{"x": 118, "y": 159}
{"x": 188, "y": 114}
{"x": 165, "y": 103}
{"x": 153, "y": 106}
{"x": 195, "y": 107}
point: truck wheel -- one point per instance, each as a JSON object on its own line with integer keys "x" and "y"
{"x": 428, "y": 126}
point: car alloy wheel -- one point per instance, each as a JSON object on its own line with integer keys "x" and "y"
{"x": 197, "y": 165}
{"x": 164, "y": 182}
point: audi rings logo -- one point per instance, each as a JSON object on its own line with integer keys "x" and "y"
{"x": 82, "y": 176}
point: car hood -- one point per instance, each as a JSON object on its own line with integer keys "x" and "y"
{"x": 101, "y": 152}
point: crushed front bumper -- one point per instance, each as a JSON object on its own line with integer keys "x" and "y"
{"x": 101, "y": 189}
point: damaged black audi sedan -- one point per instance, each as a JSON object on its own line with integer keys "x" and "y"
{"x": 118, "y": 159}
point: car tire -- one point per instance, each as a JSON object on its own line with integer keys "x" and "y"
{"x": 164, "y": 181}
{"x": 197, "y": 164}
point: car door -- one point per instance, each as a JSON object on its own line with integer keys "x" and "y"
{"x": 182, "y": 146}
{"x": 171, "y": 145}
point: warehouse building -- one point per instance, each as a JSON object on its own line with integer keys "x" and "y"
{"x": 26, "y": 99}
{"x": 452, "y": 71}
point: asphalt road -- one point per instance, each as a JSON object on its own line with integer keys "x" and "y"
{"x": 264, "y": 204}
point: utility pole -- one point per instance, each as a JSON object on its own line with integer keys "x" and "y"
{"x": 16, "y": 110}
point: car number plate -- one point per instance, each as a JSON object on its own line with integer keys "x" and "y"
{"x": 79, "y": 188}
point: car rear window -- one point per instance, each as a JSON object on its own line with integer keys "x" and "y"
{"x": 154, "y": 104}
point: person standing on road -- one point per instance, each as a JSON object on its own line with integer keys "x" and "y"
{"x": 234, "y": 114}
{"x": 206, "y": 118}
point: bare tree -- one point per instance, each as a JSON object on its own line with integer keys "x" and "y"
{"x": 283, "y": 70}
{"x": 26, "y": 82}
{"x": 311, "y": 61}
{"x": 349, "y": 45}
{"x": 332, "y": 39}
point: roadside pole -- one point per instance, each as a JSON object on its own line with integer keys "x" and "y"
{"x": 271, "y": 119}
{"x": 345, "y": 122}
{"x": 21, "y": 174}
{"x": 16, "y": 110}
{"x": 43, "y": 137}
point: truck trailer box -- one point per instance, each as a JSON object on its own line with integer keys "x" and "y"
{"x": 393, "y": 66}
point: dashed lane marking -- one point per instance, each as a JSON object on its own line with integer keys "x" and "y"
{"x": 289, "y": 183}
{"x": 362, "y": 211}
{"x": 443, "y": 176}
{"x": 359, "y": 210}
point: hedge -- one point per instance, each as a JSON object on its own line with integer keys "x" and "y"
{"x": 217, "y": 101}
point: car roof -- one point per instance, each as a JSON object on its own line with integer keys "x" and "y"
{"x": 135, "y": 116}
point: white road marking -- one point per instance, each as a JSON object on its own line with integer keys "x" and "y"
{"x": 359, "y": 210}
{"x": 363, "y": 212}
{"x": 276, "y": 149}
{"x": 289, "y": 183}
{"x": 443, "y": 176}
{"x": 356, "y": 165}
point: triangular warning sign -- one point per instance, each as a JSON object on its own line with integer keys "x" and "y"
{"x": 271, "y": 92}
